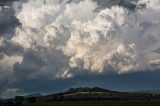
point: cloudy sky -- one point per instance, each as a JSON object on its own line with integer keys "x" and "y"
{"x": 52, "y": 45}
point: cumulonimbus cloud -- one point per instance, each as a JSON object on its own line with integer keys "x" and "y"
{"x": 70, "y": 37}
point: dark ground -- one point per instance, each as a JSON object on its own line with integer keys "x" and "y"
{"x": 96, "y": 103}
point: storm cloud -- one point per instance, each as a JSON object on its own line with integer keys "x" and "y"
{"x": 64, "y": 39}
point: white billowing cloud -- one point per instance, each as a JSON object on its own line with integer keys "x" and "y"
{"x": 10, "y": 54}
{"x": 98, "y": 43}
{"x": 7, "y": 65}
{"x": 68, "y": 35}
{"x": 155, "y": 62}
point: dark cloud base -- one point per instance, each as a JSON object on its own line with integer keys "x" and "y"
{"x": 137, "y": 81}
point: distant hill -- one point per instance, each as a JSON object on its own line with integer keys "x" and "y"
{"x": 84, "y": 94}
{"x": 96, "y": 93}
{"x": 33, "y": 95}
{"x": 87, "y": 89}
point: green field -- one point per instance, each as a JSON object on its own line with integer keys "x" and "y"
{"x": 98, "y": 103}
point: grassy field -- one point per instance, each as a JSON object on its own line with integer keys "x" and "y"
{"x": 98, "y": 103}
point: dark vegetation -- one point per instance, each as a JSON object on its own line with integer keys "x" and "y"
{"x": 86, "y": 97}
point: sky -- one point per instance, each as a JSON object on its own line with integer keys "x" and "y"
{"x": 48, "y": 46}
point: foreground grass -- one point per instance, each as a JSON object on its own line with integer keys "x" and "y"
{"x": 98, "y": 103}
